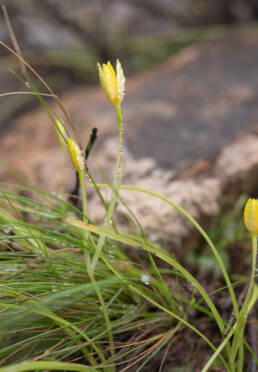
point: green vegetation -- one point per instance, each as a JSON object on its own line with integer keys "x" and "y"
{"x": 75, "y": 297}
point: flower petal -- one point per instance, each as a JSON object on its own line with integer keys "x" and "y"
{"x": 75, "y": 155}
{"x": 110, "y": 83}
{"x": 101, "y": 77}
{"x": 120, "y": 81}
{"x": 251, "y": 216}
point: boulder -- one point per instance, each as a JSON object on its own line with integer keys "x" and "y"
{"x": 191, "y": 128}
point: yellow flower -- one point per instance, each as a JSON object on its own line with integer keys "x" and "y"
{"x": 75, "y": 155}
{"x": 251, "y": 216}
{"x": 113, "y": 83}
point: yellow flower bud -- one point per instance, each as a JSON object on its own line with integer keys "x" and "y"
{"x": 75, "y": 155}
{"x": 251, "y": 216}
{"x": 113, "y": 83}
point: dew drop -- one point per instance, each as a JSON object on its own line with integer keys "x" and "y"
{"x": 145, "y": 278}
{"x": 7, "y": 229}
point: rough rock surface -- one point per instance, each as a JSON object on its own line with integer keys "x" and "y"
{"x": 191, "y": 135}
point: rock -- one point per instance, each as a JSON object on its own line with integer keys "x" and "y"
{"x": 190, "y": 129}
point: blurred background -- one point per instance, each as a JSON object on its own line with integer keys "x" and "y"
{"x": 63, "y": 39}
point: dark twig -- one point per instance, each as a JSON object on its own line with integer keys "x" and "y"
{"x": 74, "y": 194}
{"x": 91, "y": 142}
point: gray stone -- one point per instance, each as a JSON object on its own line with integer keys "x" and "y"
{"x": 190, "y": 129}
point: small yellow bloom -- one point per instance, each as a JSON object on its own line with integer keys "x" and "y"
{"x": 75, "y": 155}
{"x": 251, "y": 216}
{"x": 113, "y": 83}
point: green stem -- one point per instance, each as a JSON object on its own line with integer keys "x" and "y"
{"x": 115, "y": 189}
{"x": 120, "y": 144}
{"x": 63, "y": 151}
{"x": 238, "y": 337}
{"x": 105, "y": 313}
{"x": 218, "y": 351}
{"x": 84, "y": 198}
{"x": 240, "y": 358}
{"x": 84, "y": 215}
{"x": 251, "y": 284}
{"x": 101, "y": 240}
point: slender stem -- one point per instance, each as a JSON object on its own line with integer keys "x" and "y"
{"x": 104, "y": 310}
{"x": 120, "y": 142}
{"x": 84, "y": 198}
{"x": 101, "y": 241}
{"x": 251, "y": 283}
{"x": 87, "y": 263}
{"x": 115, "y": 189}
{"x": 240, "y": 358}
{"x": 84, "y": 216}
{"x": 63, "y": 150}
{"x": 238, "y": 338}
{"x": 218, "y": 352}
